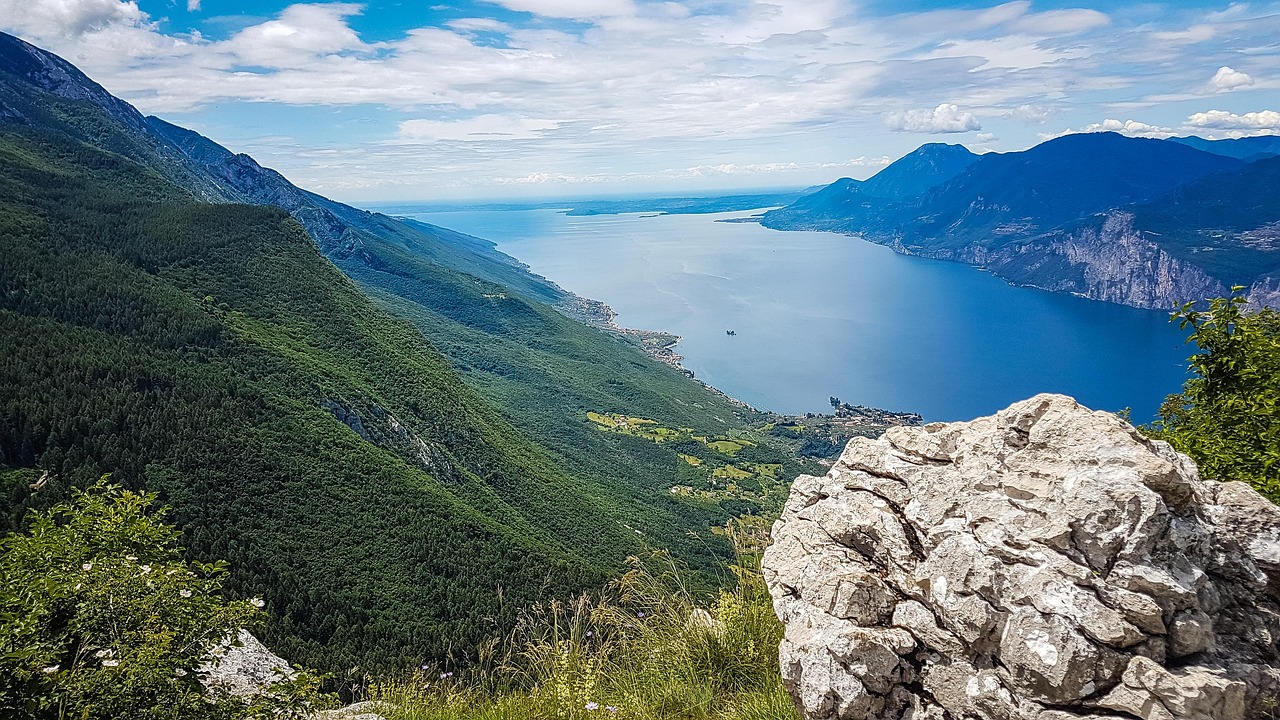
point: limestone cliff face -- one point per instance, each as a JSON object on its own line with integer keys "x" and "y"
{"x": 1107, "y": 259}
{"x": 1045, "y": 563}
{"x": 1110, "y": 260}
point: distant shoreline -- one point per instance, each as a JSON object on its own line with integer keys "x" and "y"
{"x": 660, "y": 346}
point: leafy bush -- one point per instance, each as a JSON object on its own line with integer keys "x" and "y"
{"x": 100, "y": 617}
{"x": 1227, "y": 418}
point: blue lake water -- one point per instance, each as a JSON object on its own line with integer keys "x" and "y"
{"x": 819, "y": 314}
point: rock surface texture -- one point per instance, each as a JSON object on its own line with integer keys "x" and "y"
{"x": 1045, "y": 563}
{"x": 247, "y": 667}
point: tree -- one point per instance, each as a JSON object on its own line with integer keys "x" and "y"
{"x": 1227, "y": 417}
{"x": 100, "y": 617}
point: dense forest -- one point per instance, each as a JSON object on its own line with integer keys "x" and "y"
{"x": 208, "y": 351}
{"x": 395, "y": 489}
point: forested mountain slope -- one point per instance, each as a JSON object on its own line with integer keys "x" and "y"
{"x": 210, "y": 352}
{"x": 351, "y": 473}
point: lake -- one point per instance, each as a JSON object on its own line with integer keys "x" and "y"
{"x": 817, "y": 315}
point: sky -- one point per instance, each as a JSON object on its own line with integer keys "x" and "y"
{"x": 398, "y": 101}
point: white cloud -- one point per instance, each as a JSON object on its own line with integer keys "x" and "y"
{"x": 479, "y": 25}
{"x": 42, "y": 19}
{"x": 645, "y": 86}
{"x": 1133, "y": 128}
{"x": 571, "y": 9}
{"x": 1061, "y": 22}
{"x": 193, "y": 5}
{"x": 1029, "y": 114}
{"x": 479, "y": 128}
{"x": 1223, "y": 120}
{"x": 946, "y": 118}
{"x": 1228, "y": 79}
{"x": 297, "y": 37}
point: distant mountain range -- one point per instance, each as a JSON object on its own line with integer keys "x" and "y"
{"x": 1138, "y": 221}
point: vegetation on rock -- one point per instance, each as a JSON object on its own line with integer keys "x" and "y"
{"x": 1227, "y": 418}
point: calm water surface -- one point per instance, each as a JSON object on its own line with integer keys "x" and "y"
{"x": 819, "y": 314}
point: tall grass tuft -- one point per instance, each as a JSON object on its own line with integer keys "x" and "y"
{"x": 645, "y": 648}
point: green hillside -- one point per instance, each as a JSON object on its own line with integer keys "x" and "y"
{"x": 397, "y": 489}
{"x": 208, "y": 351}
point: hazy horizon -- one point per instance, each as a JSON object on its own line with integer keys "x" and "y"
{"x": 525, "y": 99}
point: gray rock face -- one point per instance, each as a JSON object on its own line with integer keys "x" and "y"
{"x": 247, "y": 668}
{"x": 1045, "y": 563}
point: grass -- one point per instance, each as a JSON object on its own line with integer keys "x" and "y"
{"x": 708, "y": 461}
{"x": 644, "y": 648}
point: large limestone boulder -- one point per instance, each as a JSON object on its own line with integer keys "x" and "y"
{"x": 1044, "y": 563}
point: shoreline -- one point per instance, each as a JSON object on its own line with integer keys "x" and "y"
{"x": 656, "y": 344}
{"x": 660, "y": 345}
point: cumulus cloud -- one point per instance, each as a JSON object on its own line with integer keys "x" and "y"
{"x": 1132, "y": 128}
{"x": 1228, "y": 79}
{"x": 193, "y": 5}
{"x": 481, "y": 127}
{"x": 297, "y": 37}
{"x": 1223, "y": 120}
{"x": 946, "y": 118}
{"x": 1029, "y": 114}
{"x": 43, "y": 18}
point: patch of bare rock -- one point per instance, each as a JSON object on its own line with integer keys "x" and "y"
{"x": 1044, "y": 563}
{"x": 246, "y": 667}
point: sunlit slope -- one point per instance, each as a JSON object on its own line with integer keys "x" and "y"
{"x": 325, "y": 449}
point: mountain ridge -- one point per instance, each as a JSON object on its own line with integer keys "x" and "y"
{"x": 383, "y": 425}
{"x": 1014, "y": 214}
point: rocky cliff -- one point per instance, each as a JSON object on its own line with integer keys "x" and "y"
{"x": 1105, "y": 259}
{"x": 1045, "y": 563}
{"x": 1141, "y": 222}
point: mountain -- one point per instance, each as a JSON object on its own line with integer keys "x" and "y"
{"x": 385, "y": 426}
{"x": 926, "y": 167}
{"x": 909, "y": 176}
{"x": 1248, "y": 149}
{"x": 1014, "y": 212}
{"x": 328, "y": 451}
{"x": 1194, "y": 242}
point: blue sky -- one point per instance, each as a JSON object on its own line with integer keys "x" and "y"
{"x": 398, "y": 100}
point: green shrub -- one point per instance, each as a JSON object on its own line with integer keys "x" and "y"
{"x": 644, "y": 649}
{"x": 100, "y": 617}
{"x": 1227, "y": 418}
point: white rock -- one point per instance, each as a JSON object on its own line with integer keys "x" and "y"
{"x": 1039, "y": 564}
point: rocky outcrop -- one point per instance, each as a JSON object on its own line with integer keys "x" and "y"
{"x": 245, "y": 668}
{"x": 1045, "y": 563}
{"x": 1105, "y": 259}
